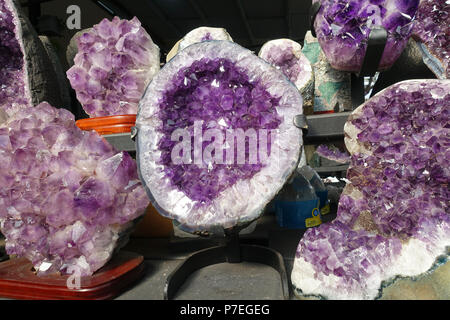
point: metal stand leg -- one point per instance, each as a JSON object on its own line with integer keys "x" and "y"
{"x": 375, "y": 49}
{"x": 231, "y": 252}
{"x": 357, "y": 90}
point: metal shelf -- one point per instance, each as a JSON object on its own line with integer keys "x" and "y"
{"x": 331, "y": 169}
{"x": 121, "y": 141}
{"x": 326, "y": 125}
{"x": 319, "y": 126}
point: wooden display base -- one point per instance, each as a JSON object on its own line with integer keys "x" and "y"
{"x": 18, "y": 280}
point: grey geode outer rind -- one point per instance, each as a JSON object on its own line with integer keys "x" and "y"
{"x": 392, "y": 219}
{"x": 63, "y": 83}
{"x": 244, "y": 201}
{"x": 72, "y": 48}
{"x": 198, "y": 35}
{"x": 29, "y": 77}
{"x": 42, "y": 77}
{"x": 431, "y": 30}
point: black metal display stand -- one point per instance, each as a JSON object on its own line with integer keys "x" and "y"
{"x": 375, "y": 48}
{"x": 374, "y": 52}
{"x": 232, "y": 252}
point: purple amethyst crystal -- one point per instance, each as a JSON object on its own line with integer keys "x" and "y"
{"x": 13, "y": 74}
{"x": 286, "y": 55}
{"x": 27, "y": 75}
{"x": 204, "y": 34}
{"x": 343, "y": 28}
{"x": 433, "y": 31}
{"x": 66, "y": 194}
{"x": 221, "y": 89}
{"x": 393, "y": 216}
{"x": 115, "y": 62}
{"x": 333, "y": 154}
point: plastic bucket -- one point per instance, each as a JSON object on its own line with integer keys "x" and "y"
{"x": 297, "y": 214}
{"x": 324, "y": 205}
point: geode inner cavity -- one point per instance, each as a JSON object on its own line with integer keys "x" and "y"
{"x": 393, "y": 218}
{"x": 343, "y": 28}
{"x": 220, "y": 87}
{"x": 13, "y": 74}
{"x": 433, "y": 32}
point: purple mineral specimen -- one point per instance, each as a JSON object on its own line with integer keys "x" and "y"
{"x": 211, "y": 91}
{"x": 13, "y": 75}
{"x": 433, "y": 31}
{"x": 115, "y": 62}
{"x": 332, "y": 154}
{"x": 343, "y": 28}
{"x": 286, "y": 55}
{"x": 66, "y": 194}
{"x": 393, "y": 216}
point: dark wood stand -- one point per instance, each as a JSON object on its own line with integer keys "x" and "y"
{"x": 18, "y": 280}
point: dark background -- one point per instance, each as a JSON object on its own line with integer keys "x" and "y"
{"x": 249, "y": 22}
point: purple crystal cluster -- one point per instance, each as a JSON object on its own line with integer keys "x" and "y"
{"x": 66, "y": 194}
{"x": 286, "y": 55}
{"x": 285, "y": 60}
{"x": 333, "y": 154}
{"x": 208, "y": 90}
{"x": 343, "y": 28}
{"x": 364, "y": 252}
{"x": 392, "y": 218}
{"x": 207, "y": 37}
{"x": 115, "y": 62}
{"x": 432, "y": 30}
{"x": 221, "y": 87}
{"x": 13, "y": 79}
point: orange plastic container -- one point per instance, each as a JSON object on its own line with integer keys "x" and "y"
{"x": 108, "y": 125}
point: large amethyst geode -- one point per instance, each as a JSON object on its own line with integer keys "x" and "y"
{"x": 115, "y": 62}
{"x": 432, "y": 30}
{"x": 194, "y": 169}
{"x": 13, "y": 75}
{"x": 66, "y": 194}
{"x": 393, "y": 218}
{"x": 26, "y": 73}
{"x": 343, "y": 28}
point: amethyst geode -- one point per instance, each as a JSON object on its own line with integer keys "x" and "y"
{"x": 286, "y": 55}
{"x": 343, "y": 28}
{"x": 217, "y": 88}
{"x": 13, "y": 75}
{"x": 115, "y": 62}
{"x": 432, "y": 30}
{"x": 26, "y": 73}
{"x": 66, "y": 194}
{"x": 393, "y": 218}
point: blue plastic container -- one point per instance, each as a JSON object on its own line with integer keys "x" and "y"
{"x": 298, "y": 214}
